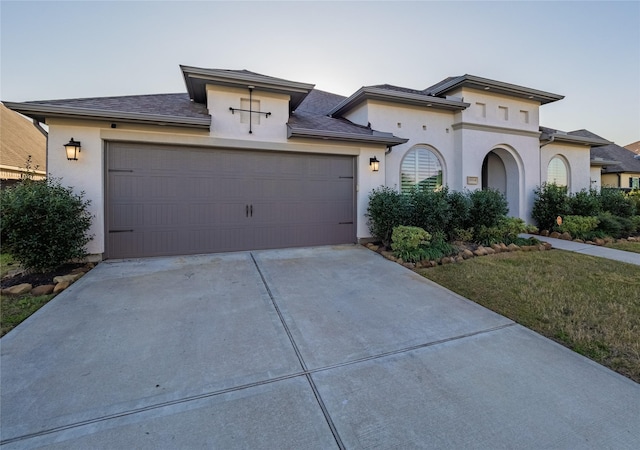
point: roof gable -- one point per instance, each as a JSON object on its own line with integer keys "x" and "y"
{"x": 626, "y": 159}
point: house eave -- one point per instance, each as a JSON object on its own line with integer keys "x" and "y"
{"x": 581, "y": 140}
{"x": 42, "y": 112}
{"x": 486, "y": 84}
{"x": 387, "y": 140}
{"x": 404, "y": 98}
{"x": 603, "y": 162}
{"x": 196, "y": 80}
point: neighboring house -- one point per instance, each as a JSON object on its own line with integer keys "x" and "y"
{"x": 622, "y": 167}
{"x": 247, "y": 161}
{"x": 634, "y": 147}
{"x": 19, "y": 139}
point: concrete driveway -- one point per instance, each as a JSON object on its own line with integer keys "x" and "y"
{"x": 330, "y": 347}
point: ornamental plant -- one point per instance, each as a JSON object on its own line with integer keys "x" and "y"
{"x": 44, "y": 224}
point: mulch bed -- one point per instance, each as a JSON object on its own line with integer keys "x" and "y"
{"x": 38, "y": 279}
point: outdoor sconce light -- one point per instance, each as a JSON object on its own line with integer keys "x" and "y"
{"x": 72, "y": 148}
{"x": 374, "y": 164}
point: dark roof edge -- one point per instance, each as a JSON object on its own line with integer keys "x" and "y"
{"x": 499, "y": 86}
{"x": 603, "y": 162}
{"x": 571, "y": 139}
{"x": 41, "y": 112}
{"x": 243, "y": 78}
{"x": 407, "y": 98}
{"x": 387, "y": 139}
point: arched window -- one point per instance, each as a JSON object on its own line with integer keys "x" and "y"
{"x": 557, "y": 172}
{"x": 420, "y": 168}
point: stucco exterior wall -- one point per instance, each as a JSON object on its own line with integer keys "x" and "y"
{"x": 487, "y": 108}
{"x": 430, "y": 127}
{"x": 226, "y": 124}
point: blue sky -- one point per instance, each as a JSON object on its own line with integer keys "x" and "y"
{"x": 587, "y": 51}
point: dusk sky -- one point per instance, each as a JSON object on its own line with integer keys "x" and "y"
{"x": 587, "y": 51}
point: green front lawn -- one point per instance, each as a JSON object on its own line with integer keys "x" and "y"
{"x": 627, "y": 246}
{"x": 588, "y": 304}
{"x": 14, "y": 310}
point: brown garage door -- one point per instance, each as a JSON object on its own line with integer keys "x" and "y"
{"x": 165, "y": 200}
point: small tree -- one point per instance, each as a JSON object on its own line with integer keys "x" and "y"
{"x": 44, "y": 224}
{"x": 387, "y": 209}
{"x": 551, "y": 201}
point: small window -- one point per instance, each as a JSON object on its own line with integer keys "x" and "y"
{"x": 557, "y": 172}
{"x": 420, "y": 168}
{"x": 634, "y": 182}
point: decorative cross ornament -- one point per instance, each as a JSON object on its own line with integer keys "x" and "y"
{"x": 250, "y": 111}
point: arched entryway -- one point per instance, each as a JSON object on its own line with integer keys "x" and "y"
{"x": 501, "y": 171}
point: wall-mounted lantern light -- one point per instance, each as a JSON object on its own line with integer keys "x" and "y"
{"x": 374, "y": 164}
{"x": 72, "y": 148}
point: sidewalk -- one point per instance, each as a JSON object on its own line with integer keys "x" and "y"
{"x": 589, "y": 249}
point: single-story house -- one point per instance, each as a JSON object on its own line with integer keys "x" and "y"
{"x": 623, "y": 167}
{"x": 247, "y": 161}
{"x": 21, "y": 139}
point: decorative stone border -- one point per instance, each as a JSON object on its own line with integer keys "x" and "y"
{"x": 59, "y": 284}
{"x": 465, "y": 253}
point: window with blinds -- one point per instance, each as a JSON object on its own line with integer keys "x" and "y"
{"x": 420, "y": 168}
{"x": 557, "y": 172}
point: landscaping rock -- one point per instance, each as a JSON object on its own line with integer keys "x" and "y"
{"x": 480, "y": 251}
{"x": 409, "y": 265}
{"x": 386, "y": 254}
{"x": 466, "y": 253}
{"x": 544, "y": 233}
{"x": 374, "y": 248}
{"x": 496, "y": 248}
{"x": 446, "y": 260}
{"x": 598, "y": 241}
{"x": 459, "y": 259}
{"x": 18, "y": 289}
{"x": 555, "y": 235}
{"x": 489, "y": 250}
{"x": 70, "y": 278}
{"x": 503, "y": 246}
{"x": 566, "y": 236}
{"x": 513, "y": 248}
{"x": 591, "y": 243}
{"x": 547, "y": 245}
{"x": 579, "y": 241}
{"x": 61, "y": 286}
{"x": 45, "y": 289}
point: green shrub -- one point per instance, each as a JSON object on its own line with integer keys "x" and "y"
{"x": 461, "y": 234}
{"x": 430, "y": 209}
{"x": 609, "y": 225}
{"x": 635, "y": 221}
{"x": 387, "y": 209}
{"x": 459, "y": 205}
{"x": 43, "y": 223}
{"x": 634, "y": 198}
{"x": 409, "y": 243}
{"x": 585, "y": 203}
{"x": 439, "y": 247}
{"x": 505, "y": 231}
{"x": 550, "y": 202}
{"x": 487, "y": 208}
{"x": 580, "y": 227}
{"x": 617, "y": 202}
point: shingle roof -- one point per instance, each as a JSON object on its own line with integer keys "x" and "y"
{"x": 391, "y": 87}
{"x": 178, "y": 105}
{"x": 311, "y": 119}
{"x": 20, "y": 138}
{"x": 626, "y": 158}
{"x": 319, "y": 102}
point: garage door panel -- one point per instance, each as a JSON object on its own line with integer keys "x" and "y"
{"x": 168, "y": 200}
